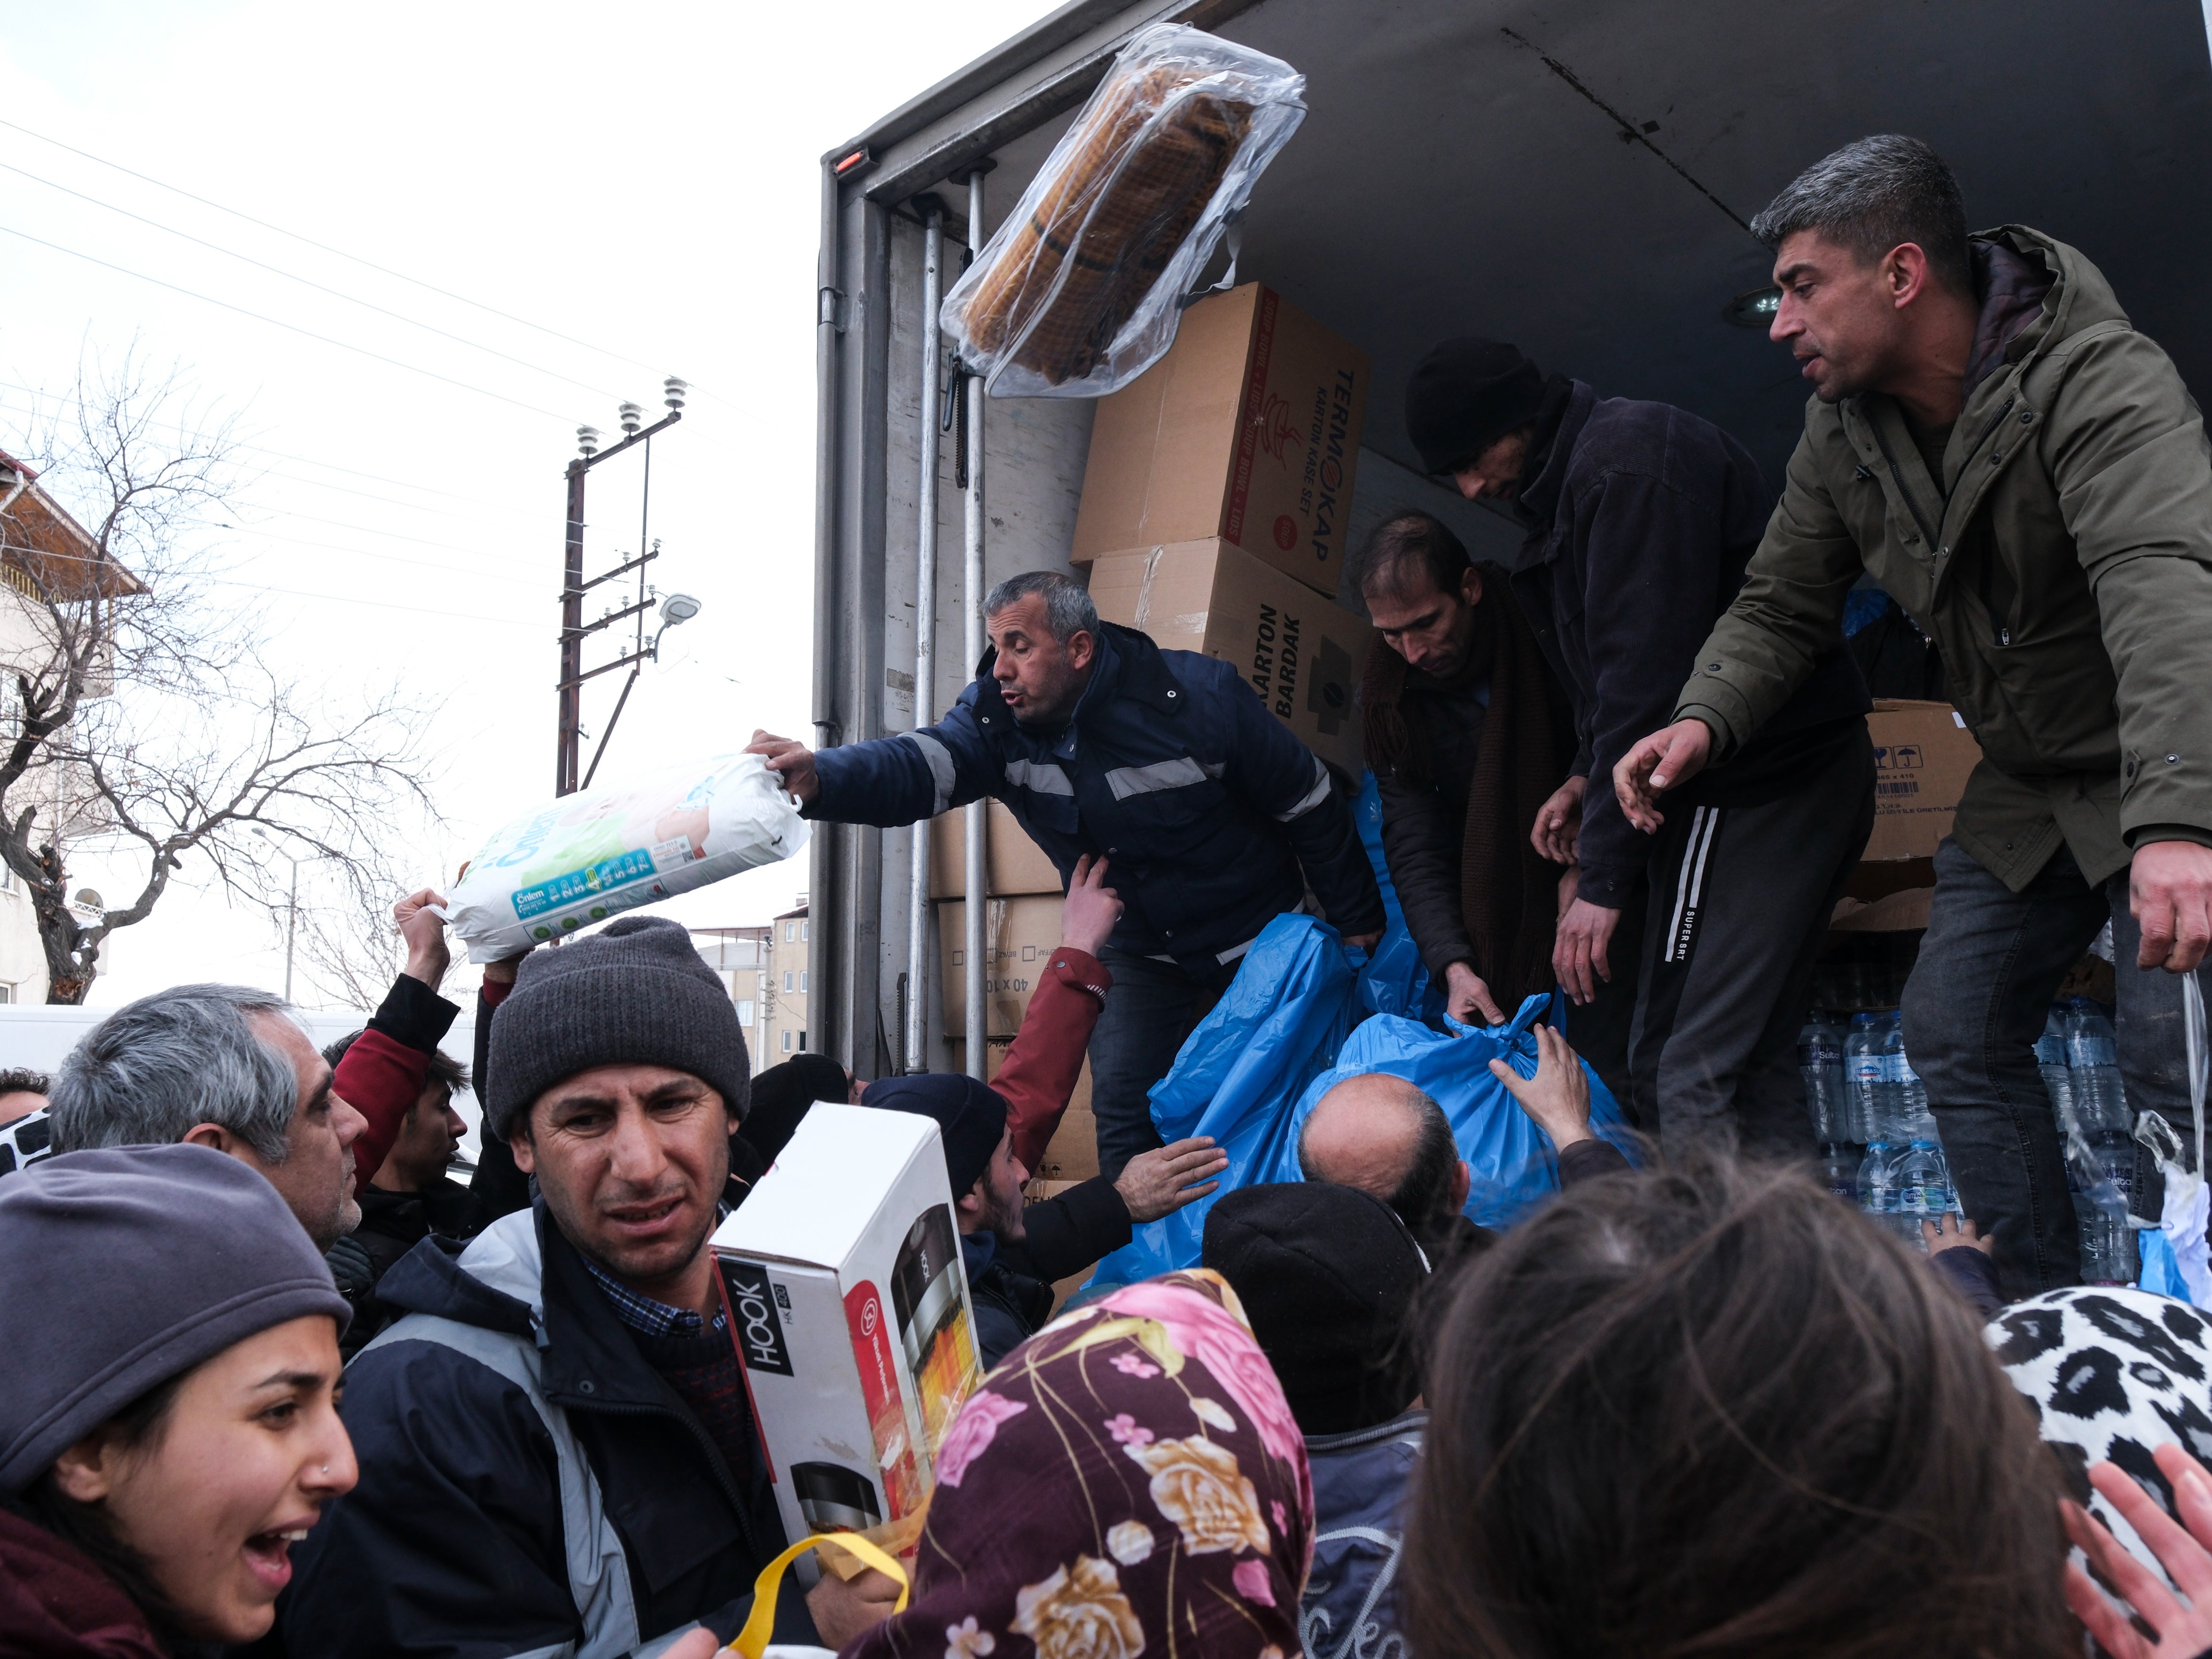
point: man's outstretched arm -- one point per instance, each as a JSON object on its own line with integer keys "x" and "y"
{"x": 886, "y": 782}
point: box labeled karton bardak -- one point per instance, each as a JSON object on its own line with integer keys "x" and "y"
{"x": 848, "y": 1304}
{"x": 1303, "y": 653}
{"x": 1247, "y": 429}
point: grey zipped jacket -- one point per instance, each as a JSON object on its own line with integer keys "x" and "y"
{"x": 2063, "y": 565}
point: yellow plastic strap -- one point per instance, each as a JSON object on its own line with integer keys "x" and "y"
{"x": 752, "y": 1641}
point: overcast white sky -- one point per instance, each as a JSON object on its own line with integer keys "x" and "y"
{"x": 641, "y": 178}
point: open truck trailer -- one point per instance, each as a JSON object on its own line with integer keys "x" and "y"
{"x": 1574, "y": 179}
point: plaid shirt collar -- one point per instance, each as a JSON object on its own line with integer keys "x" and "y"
{"x": 645, "y": 1316}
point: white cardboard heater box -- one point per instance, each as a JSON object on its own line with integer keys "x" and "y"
{"x": 849, "y": 1305}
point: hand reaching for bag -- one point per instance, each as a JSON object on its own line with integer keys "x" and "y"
{"x": 1558, "y": 1098}
{"x": 1161, "y": 1181}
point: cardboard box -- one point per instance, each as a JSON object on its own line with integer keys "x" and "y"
{"x": 1247, "y": 429}
{"x": 1013, "y": 863}
{"x": 1905, "y": 911}
{"x": 1303, "y": 653}
{"x": 1923, "y": 754}
{"x": 1019, "y": 935}
{"x": 849, "y": 1306}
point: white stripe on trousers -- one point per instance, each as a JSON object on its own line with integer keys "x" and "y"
{"x": 1689, "y": 885}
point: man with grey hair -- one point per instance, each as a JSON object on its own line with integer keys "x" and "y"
{"x": 2028, "y": 478}
{"x": 221, "y": 1067}
{"x": 1164, "y": 765}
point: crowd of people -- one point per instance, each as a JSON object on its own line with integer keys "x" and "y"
{"x": 277, "y": 1382}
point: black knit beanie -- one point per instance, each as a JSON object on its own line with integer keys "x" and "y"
{"x": 1467, "y": 394}
{"x": 129, "y": 1265}
{"x": 970, "y": 1115}
{"x": 1329, "y": 1276}
{"x": 636, "y": 994}
{"x": 783, "y": 1095}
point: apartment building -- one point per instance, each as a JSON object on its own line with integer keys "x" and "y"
{"x": 783, "y": 990}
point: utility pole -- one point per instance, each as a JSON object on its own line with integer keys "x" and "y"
{"x": 573, "y": 586}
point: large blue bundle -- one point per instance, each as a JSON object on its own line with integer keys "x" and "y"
{"x": 1283, "y": 1035}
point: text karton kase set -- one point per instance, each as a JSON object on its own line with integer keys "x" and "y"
{"x": 849, "y": 1305}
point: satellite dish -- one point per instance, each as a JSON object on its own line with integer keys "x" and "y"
{"x": 89, "y": 898}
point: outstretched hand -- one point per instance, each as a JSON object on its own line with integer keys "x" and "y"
{"x": 1558, "y": 1098}
{"x": 424, "y": 929}
{"x": 1089, "y": 912}
{"x": 2182, "y": 1630}
{"x": 1161, "y": 1181}
{"x": 1665, "y": 760}
{"x": 791, "y": 761}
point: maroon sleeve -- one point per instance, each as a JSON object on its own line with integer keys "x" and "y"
{"x": 1047, "y": 1056}
{"x": 380, "y": 1076}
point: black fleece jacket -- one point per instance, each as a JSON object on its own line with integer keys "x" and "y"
{"x": 1642, "y": 518}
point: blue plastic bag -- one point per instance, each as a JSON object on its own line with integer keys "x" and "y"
{"x": 1278, "y": 1026}
{"x": 1512, "y": 1161}
{"x": 1395, "y": 980}
{"x": 1259, "y": 1064}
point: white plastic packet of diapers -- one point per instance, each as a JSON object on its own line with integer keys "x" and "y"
{"x": 584, "y": 857}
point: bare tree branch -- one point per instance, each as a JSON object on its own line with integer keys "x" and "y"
{"x": 150, "y": 715}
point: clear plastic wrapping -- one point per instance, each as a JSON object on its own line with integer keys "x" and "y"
{"x": 1080, "y": 290}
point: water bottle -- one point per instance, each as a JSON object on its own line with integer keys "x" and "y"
{"x": 2108, "y": 1244}
{"x": 1876, "y": 1185}
{"x": 1863, "y": 1070}
{"x": 1839, "y": 1170}
{"x": 2093, "y": 1058}
{"x": 1924, "y": 1186}
{"x": 2058, "y": 1081}
{"x": 1821, "y": 1063}
{"x": 2099, "y": 1102}
{"x": 1909, "y": 1094}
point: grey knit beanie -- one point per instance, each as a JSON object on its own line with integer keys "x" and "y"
{"x": 636, "y": 994}
{"x": 129, "y": 1265}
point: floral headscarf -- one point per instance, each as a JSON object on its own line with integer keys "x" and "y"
{"x": 1130, "y": 1480}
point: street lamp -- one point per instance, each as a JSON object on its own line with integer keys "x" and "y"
{"x": 292, "y": 912}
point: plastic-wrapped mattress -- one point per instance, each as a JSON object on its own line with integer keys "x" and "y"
{"x": 1079, "y": 290}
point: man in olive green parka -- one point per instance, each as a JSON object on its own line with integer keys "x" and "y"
{"x": 2028, "y": 477}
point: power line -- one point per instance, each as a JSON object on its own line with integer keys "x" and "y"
{"x": 319, "y": 288}
{"x": 325, "y": 247}
{"x": 294, "y": 328}
{"x": 540, "y": 514}
{"x": 306, "y": 461}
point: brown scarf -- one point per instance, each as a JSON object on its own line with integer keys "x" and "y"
{"x": 1509, "y": 893}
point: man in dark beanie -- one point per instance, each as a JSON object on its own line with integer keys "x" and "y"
{"x": 1014, "y": 1250}
{"x": 1330, "y": 1279}
{"x": 556, "y": 1440}
{"x": 1640, "y": 518}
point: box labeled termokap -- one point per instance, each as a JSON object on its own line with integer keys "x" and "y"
{"x": 849, "y": 1306}
{"x": 1303, "y": 653}
{"x": 1247, "y": 429}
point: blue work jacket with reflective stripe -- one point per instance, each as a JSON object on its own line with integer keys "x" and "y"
{"x": 1205, "y": 805}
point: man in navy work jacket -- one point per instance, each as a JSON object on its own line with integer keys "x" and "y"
{"x": 1214, "y": 818}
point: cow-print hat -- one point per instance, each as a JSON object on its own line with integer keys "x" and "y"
{"x": 2111, "y": 1374}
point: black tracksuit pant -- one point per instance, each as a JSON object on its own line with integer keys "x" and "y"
{"x": 1739, "y": 901}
